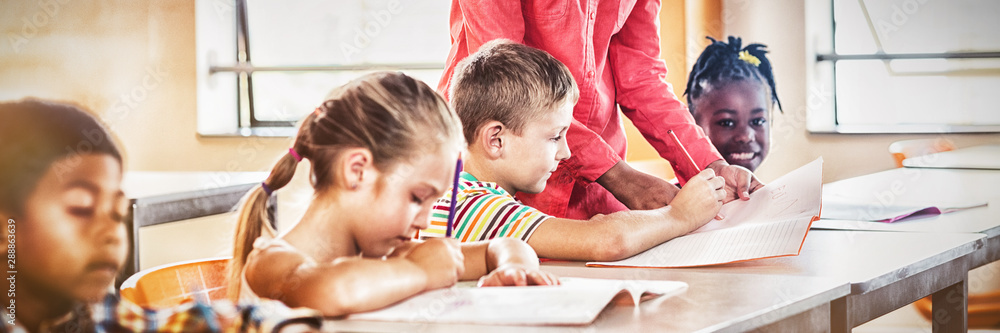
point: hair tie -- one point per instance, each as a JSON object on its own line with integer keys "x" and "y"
{"x": 749, "y": 58}
{"x": 298, "y": 158}
{"x": 266, "y": 189}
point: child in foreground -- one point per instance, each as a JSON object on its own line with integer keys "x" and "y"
{"x": 516, "y": 104}
{"x": 731, "y": 95}
{"x": 61, "y": 198}
{"x": 382, "y": 149}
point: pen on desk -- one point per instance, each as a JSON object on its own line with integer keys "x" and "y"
{"x": 454, "y": 195}
{"x": 681, "y": 146}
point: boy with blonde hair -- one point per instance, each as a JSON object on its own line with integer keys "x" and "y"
{"x": 516, "y": 104}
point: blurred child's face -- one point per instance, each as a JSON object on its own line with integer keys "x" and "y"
{"x": 403, "y": 204}
{"x": 71, "y": 241}
{"x": 535, "y": 154}
{"x": 735, "y": 115}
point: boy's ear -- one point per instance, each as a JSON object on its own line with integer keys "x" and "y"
{"x": 490, "y": 138}
{"x": 357, "y": 165}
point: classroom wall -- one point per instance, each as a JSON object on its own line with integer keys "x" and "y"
{"x": 781, "y": 24}
{"x": 131, "y": 62}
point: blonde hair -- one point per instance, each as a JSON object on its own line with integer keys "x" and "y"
{"x": 391, "y": 114}
{"x": 511, "y": 83}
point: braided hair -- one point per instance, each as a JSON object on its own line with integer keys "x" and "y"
{"x": 721, "y": 62}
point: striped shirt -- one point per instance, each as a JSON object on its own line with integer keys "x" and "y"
{"x": 484, "y": 211}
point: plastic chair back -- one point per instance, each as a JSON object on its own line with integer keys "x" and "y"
{"x": 174, "y": 284}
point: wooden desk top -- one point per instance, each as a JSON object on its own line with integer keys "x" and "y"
{"x": 712, "y": 302}
{"x": 868, "y": 260}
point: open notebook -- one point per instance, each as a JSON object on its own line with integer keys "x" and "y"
{"x": 577, "y": 301}
{"x": 773, "y": 223}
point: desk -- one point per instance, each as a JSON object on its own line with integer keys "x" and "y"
{"x": 978, "y": 157}
{"x": 886, "y": 270}
{"x": 714, "y": 302}
{"x": 920, "y": 185}
{"x": 164, "y": 197}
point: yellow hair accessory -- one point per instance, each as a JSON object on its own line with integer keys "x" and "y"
{"x": 749, "y": 58}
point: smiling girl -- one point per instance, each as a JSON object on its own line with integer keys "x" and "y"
{"x": 731, "y": 95}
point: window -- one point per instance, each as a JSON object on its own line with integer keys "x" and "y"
{"x": 264, "y": 64}
{"x": 907, "y": 66}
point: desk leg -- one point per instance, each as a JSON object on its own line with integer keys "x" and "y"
{"x": 950, "y": 308}
{"x": 840, "y": 322}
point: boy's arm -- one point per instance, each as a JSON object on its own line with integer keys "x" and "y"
{"x": 504, "y": 262}
{"x": 623, "y": 234}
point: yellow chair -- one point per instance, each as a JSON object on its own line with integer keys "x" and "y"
{"x": 904, "y": 149}
{"x": 173, "y": 284}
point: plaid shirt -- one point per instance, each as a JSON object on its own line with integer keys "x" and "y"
{"x": 115, "y": 315}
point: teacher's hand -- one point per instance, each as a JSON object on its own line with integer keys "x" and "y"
{"x": 636, "y": 189}
{"x": 740, "y": 182}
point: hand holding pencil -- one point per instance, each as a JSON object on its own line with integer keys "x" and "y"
{"x": 699, "y": 201}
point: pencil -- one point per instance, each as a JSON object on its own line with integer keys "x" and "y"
{"x": 454, "y": 197}
{"x": 681, "y": 146}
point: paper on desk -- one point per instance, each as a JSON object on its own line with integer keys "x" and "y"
{"x": 843, "y": 208}
{"x": 577, "y": 301}
{"x": 773, "y": 223}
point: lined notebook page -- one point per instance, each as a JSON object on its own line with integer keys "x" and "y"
{"x": 774, "y": 222}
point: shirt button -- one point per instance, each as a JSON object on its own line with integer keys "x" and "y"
{"x": 590, "y": 73}
{"x": 593, "y": 16}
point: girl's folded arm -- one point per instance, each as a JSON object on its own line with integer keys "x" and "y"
{"x": 347, "y": 285}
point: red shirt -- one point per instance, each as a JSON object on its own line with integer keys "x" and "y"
{"x": 612, "y": 47}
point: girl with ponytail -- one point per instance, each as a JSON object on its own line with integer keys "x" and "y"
{"x": 730, "y": 93}
{"x": 382, "y": 149}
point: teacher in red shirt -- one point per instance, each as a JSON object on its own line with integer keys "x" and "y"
{"x": 612, "y": 47}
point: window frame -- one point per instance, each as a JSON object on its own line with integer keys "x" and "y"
{"x": 223, "y": 47}
{"x": 821, "y": 79}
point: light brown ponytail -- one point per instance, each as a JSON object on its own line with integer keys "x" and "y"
{"x": 254, "y": 220}
{"x": 393, "y": 115}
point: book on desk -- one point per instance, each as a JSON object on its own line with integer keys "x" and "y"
{"x": 773, "y": 223}
{"x": 577, "y": 301}
{"x": 844, "y": 208}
